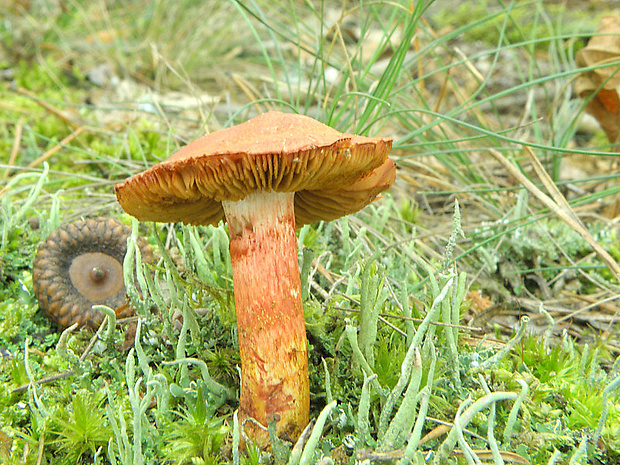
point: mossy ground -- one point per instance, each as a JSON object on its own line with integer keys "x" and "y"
{"x": 134, "y": 82}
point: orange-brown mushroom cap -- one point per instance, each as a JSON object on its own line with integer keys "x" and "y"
{"x": 332, "y": 173}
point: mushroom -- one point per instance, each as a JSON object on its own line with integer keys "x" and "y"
{"x": 81, "y": 265}
{"x": 266, "y": 177}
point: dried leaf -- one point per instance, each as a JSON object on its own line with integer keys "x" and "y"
{"x": 604, "y": 107}
{"x": 435, "y": 433}
{"x": 603, "y": 48}
{"x": 5, "y": 444}
{"x": 478, "y": 302}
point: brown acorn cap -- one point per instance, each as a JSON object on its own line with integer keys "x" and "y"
{"x": 330, "y": 172}
{"x": 80, "y": 265}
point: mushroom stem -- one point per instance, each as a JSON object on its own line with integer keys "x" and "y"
{"x": 270, "y": 320}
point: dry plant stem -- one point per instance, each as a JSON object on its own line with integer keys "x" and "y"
{"x": 41, "y": 448}
{"x": 66, "y": 374}
{"x": 270, "y": 320}
{"x": 390, "y": 456}
{"x": 417, "y": 320}
{"x": 14, "y": 150}
{"x": 562, "y": 209}
{"x": 50, "y": 153}
{"x": 55, "y": 111}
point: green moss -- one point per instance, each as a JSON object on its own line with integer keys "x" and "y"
{"x": 196, "y": 436}
{"x": 567, "y": 384}
{"x": 80, "y": 430}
